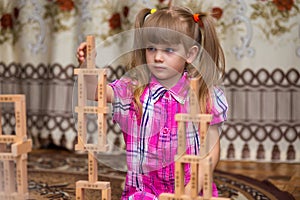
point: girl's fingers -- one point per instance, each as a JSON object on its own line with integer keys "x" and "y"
{"x": 81, "y": 51}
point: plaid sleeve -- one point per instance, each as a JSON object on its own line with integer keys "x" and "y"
{"x": 122, "y": 101}
{"x": 219, "y": 106}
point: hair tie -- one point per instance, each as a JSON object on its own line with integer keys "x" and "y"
{"x": 197, "y": 19}
{"x": 153, "y": 10}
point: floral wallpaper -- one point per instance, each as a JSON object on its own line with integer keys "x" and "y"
{"x": 59, "y": 11}
{"x": 10, "y": 25}
{"x": 275, "y": 16}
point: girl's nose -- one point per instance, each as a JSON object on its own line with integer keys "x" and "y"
{"x": 158, "y": 57}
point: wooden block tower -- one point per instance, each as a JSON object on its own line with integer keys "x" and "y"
{"x": 101, "y": 110}
{"x": 13, "y": 153}
{"x": 195, "y": 160}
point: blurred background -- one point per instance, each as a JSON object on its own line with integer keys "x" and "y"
{"x": 261, "y": 40}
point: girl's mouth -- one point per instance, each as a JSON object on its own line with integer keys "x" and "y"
{"x": 157, "y": 67}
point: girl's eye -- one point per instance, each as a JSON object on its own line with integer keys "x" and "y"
{"x": 151, "y": 49}
{"x": 169, "y": 50}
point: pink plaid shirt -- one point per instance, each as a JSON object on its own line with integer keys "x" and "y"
{"x": 151, "y": 140}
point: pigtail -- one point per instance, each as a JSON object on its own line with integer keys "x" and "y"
{"x": 137, "y": 57}
{"x": 212, "y": 61}
{"x": 141, "y": 74}
{"x": 214, "y": 50}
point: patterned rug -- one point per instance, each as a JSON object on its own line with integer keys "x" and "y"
{"x": 52, "y": 175}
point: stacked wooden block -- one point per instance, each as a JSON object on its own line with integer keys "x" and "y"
{"x": 101, "y": 110}
{"x": 13, "y": 152}
{"x": 203, "y": 159}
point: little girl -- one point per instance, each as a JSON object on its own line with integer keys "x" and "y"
{"x": 156, "y": 87}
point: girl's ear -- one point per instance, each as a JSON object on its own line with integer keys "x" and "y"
{"x": 192, "y": 54}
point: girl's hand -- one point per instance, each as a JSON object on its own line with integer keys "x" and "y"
{"x": 81, "y": 52}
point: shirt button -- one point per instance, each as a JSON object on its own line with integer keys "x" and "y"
{"x": 167, "y": 95}
{"x": 166, "y": 130}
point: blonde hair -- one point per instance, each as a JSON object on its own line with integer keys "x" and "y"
{"x": 211, "y": 66}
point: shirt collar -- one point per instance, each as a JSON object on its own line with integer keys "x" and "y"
{"x": 178, "y": 91}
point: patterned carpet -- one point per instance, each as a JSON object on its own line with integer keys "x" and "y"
{"x": 52, "y": 175}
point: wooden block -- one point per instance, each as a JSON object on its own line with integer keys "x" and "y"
{"x": 81, "y": 129}
{"x": 194, "y": 96}
{"x": 20, "y": 112}
{"x": 22, "y": 184}
{"x": 207, "y": 182}
{"x": 6, "y": 156}
{"x": 91, "y": 147}
{"x": 188, "y": 159}
{"x": 82, "y": 94}
{"x": 79, "y": 193}
{"x": 102, "y": 99}
{"x": 12, "y": 97}
{"x": 204, "y": 147}
{"x": 92, "y": 109}
{"x": 194, "y": 180}
{"x": 93, "y": 167}
{"x": 79, "y": 146}
{"x": 24, "y": 119}
{"x": 19, "y": 117}
{"x": 7, "y": 139}
{"x": 86, "y": 71}
{"x": 169, "y": 196}
{"x": 102, "y": 102}
{"x": 179, "y": 179}
{"x": 97, "y": 148}
{"x": 9, "y": 176}
{"x": 106, "y": 194}
{"x": 102, "y": 128}
{"x": 181, "y": 149}
{"x": 184, "y": 117}
{"x": 90, "y": 51}
{"x": 21, "y": 147}
{"x": 100, "y": 185}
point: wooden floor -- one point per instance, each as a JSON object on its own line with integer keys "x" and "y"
{"x": 284, "y": 176}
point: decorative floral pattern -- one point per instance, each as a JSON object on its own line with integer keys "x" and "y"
{"x": 65, "y": 5}
{"x": 276, "y": 15}
{"x": 10, "y": 25}
{"x": 217, "y": 12}
{"x": 118, "y": 20}
{"x": 60, "y": 11}
{"x": 6, "y": 21}
{"x": 115, "y": 21}
{"x": 284, "y": 5}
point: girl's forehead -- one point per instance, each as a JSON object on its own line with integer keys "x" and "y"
{"x": 164, "y": 45}
{"x": 161, "y": 34}
{"x": 164, "y": 36}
